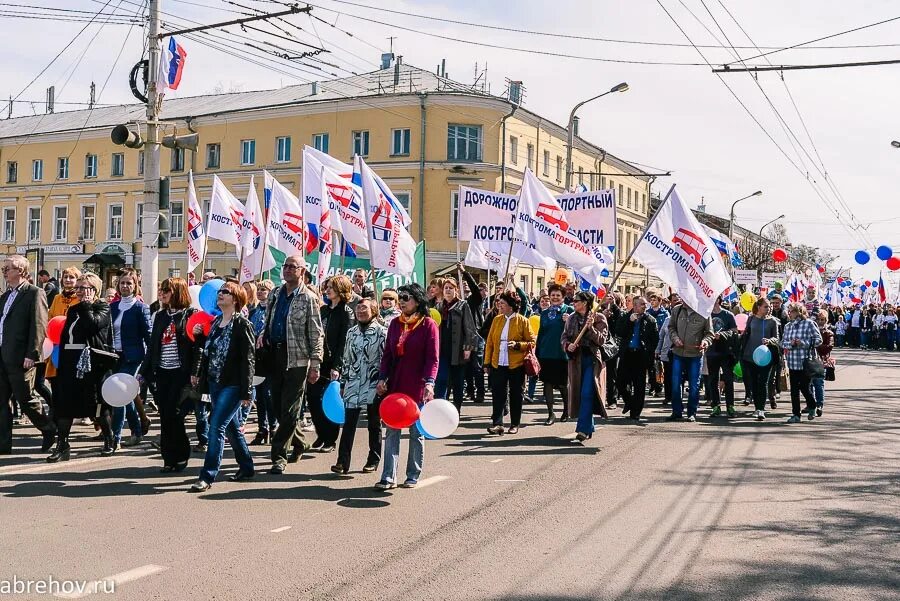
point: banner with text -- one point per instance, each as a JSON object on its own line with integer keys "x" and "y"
{"x": 746, "y": 276}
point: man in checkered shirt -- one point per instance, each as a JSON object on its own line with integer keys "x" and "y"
{"x": 801, "y": 337}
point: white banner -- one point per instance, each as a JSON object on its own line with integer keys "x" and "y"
{"x": 493, "y": 255}
{"x": 486, "y": 216}
{"x": 287, "y": 231}
{"x": 591, "y": 216}
{"x": 345, "y": 205}
{"x": 746, "y": 276}
{"x": 326, "y": 247}
{"x": 196, "y": 231}
{"x": 391, "y": 248}
{"x": 257, "y": 256}
{"x": 769, "y": 279}
{"x": 676, "y": 249}
{"x": 226, "y": 214}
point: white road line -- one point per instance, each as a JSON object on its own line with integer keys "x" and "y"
{"x": 67, "y": 465}
{"x": 495, "y": 460}
{"x": 432, "y": 480}
{"x": 282, "y": 529}
{"x": 509, "y": 480}
{"x": 104, "y": 585}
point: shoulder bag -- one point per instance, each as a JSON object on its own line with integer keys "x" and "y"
{"x": 532, "y": 365}
{"x": 813, "y": 366}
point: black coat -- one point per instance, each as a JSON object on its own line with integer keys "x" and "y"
{"x": 86, "y": 324}
{"x": 648, "y": 334}
{"x": 336, "y": 321}
{"x": 188, "y": 351}
{"x": 239, "y": 364}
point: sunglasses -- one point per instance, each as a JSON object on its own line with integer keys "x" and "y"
{"x": 224, "y": 292}
{"x": 403, "y": 297}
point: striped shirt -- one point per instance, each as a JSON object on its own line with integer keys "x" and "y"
{"x": 807, "y": 332}
{"x": 168, "y": 356}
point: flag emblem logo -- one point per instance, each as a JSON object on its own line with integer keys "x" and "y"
{"x": 693, "y": 246}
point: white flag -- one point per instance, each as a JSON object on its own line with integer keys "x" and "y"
{"x": 391, "y": 248}
{"x": 344, "y": 201}
{"x": 257, "y": 256}
{"x": 326, "y": 246}
{"x": 493, "y": 255}
{"x": 287, "y": 229}
{"x": 678, "y": 250}
{"x": 542, "y": 223}
{"x": 195, "y": 229}
{"x": 226, "y": 216}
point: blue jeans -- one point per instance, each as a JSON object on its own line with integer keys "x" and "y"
{"x": 201, "y": 412}
{"x": 129, "y": 412}
{"x": 392, "y": 454}
{"x": 817, "y": 386}
{"x": 692, "y": 365}
{"x": 585, "y": 423}
{"x": 450, "y": 379}
{"x": 226, "y": 405}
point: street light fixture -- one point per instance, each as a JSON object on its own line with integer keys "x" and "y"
{"x": 895, "y": 144}
{"x": 767, "y": 225}
{"x": 731, "y": 216}
{"x": 622, "y": 87}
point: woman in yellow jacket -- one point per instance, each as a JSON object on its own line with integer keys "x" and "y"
{"x": 61, "y": 303}
{"x": 509, "y": 340}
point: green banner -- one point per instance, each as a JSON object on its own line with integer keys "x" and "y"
{"x": 351, "y": 264}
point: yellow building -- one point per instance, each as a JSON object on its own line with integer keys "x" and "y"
{"x": 68, "y": 190}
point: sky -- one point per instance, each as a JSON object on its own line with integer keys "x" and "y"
{"x": 678, "y": 118}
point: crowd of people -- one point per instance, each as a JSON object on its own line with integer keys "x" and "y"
{"x": 276, "y": 348}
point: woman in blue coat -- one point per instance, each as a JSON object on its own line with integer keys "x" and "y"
{"x": 131, "y": 333}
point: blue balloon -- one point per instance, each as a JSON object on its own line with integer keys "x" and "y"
{"x": 54, "y": 356}
{"x": 862, "y": 288}
{"x": 605, "y": 273}
{"x": 421, "y": 429}
{"x": 332, "y": 403}
{"x": 762, "y": 356}
{"x": 874, "y": 284}
{"x": 209, "y": 295}
{"x": 884, "y": 252}
{"x": 862, "y": 257}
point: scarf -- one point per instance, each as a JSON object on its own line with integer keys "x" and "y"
{"x": 445, "y": 310}
{"x": 68, "y": 293}
{"x": 409, "y": 324}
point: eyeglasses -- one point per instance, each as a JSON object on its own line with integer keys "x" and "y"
{"x": 403, "y": 297}
{"x": 290, "y": 266}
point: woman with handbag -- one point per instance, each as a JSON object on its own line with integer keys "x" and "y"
{"x": 583, "y": 336}
{"x": 554, "y": 362}
{"x": 76, "y": 390}
{"x": 508, "y": 341}
{"x": 800, "y": 339}
{"x": 761, "y": 329}
{"x": 824, "y": 353}
{"x": 225, "y": 372}
{"x": 171, "y": 358}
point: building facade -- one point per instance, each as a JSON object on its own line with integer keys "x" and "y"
{"x": 72, "y": 194}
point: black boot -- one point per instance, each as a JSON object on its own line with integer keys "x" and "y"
{"x": 60, "y": 453}
{"x": 110, "y": 446}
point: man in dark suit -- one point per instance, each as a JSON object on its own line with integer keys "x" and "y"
{"x": 23, "y": 327}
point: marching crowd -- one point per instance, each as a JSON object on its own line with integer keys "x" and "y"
{"x": 278, "y": 347}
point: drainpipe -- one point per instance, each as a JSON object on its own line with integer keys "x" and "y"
{"x": 503, "y": 150}
{"x": 190, "y": 125}
{"x": 422, "y": 168}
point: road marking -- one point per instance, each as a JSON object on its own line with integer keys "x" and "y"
{"x": 103, "y": 585}
{"x": 495, "y": 460}
{"x": 49, "y": 467}
{"x": 282, "y": 529}
{"x": 509, "y": 480}
{"x": 432, "y": 480}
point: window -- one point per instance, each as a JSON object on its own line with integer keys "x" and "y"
{"x": 12, "y": 172}
{"x": 117, "y": 164}
{"x": 559, "y": 168}
{"x": 177, "y": 163}
{"x": 629, "y": 198}
{"x": 248, "y": 152}
{"x": 620, "y": 243}
{"x": 90, "y": 165}
{"x": 403, "y": 198}
{"x": 603, "y": 182}
{"x": 9, "y": 225}
{"x": 400, "y": 142}
{"x": 513, "y": 150}
{"x": 62, "y": 168}
{"x": 37, "y": 170}
{"x": 139, "y": 225}
{"x": 580, "y": 175}
{"x": 213, "y": 156}
{"x": 114, "y": 227}
{"x": 643, "y": 203}
{"x": 593, "y": 181}
{"x": 621, "y": 195}
{"x": 320, "y": 142}
{"x": 87, "y": 221}
{"x": 140, "y": 162}
{"x": 454, "y": 213}
{"x": 34, "y": 224}
{"x": 530, "y": 159}
{"x": 540, "y": 283}
{"x": 60, "y": 223}
{"x": 463, "y": 142}
{"x": 361, "y": 143}
{"x": 546, "y": 169}
{"x": 283, "y": 149}
{"x": 176, "y": 219}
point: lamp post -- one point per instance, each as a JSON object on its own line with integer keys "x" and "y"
{"x": 731, "y": 215}
{"x": 895, "y": 144}
{"x": 570, "y": 130}
{"x": 765, "y": 226}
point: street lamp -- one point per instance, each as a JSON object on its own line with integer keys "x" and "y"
{"x": 895, "y": 144}
{"x": 622, "y": 87}
{"x": 731, "y": 216}
{"x": 768, "y": 224}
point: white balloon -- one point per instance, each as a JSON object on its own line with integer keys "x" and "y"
{"x": 194, "y": 291}
{"x": 120, "y": 389}
{"x": 46, "y": 349}
{"x": 257, "y": 380}
{"x": 439, "y": 418}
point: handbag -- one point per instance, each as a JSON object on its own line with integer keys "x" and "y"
{"x": 610, "y": 349}
{"x": 830, "y": 373}
{"x": 532, "y": 365}
{"x": 783, "y": 382}
{"x": 813, "y": 366}
{"x": 660, "y": 372}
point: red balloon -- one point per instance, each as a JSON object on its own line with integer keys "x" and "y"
{"x": 202, "y": 318}
{"x": 601, "y": 292}
{"x": 821, "y": 269}
{"x": 868, "y": 282}
{"x": 840, "y": 280}
{"x": 779, "y": 255}
{"x": 399, "y": 411}
{"x": 55, "y": 328}
{"x": 893, "y": 263}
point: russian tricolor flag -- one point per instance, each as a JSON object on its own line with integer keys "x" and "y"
{"x": 171, "y": 66}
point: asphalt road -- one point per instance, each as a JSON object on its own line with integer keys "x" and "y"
{"x": 724, "y": 509}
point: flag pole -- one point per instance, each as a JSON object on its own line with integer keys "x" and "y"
{"x": 630, "y": 254}
{"x": 340, "y": 238}
{"x": 265, "y": 244}
{"x": 365, "y": 202}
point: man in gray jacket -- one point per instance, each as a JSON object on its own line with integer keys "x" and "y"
{"x": 691, "y": 335}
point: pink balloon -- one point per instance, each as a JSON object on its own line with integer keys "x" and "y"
{"x": 741, "y": 320}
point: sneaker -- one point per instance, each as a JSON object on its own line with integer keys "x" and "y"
{"x": 760, "y": 415}
{"x": 369, "y": 468}
{"x": 818, "y": 412}
{"x": 746, "y": 402}
{"x": 513, "y": 430}
{"x": 811, "y": 414}
{"x": 731, "y": 411}
{"x": 385, "y": 485}
{"x": 692, "y": 418}
{"x": 495, "y": 430}
{"x": 716, "y": 411}
{"x": 794, "y": 419}
{"x": 410, "y": 484}
{"x": 132, "y": 441}
{"x": 200, "y": 486}
{"x": 86, "y": 421}
{"x": 277, "y": 469}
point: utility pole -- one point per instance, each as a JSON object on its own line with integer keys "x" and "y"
{"x": 150, "y": 217}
